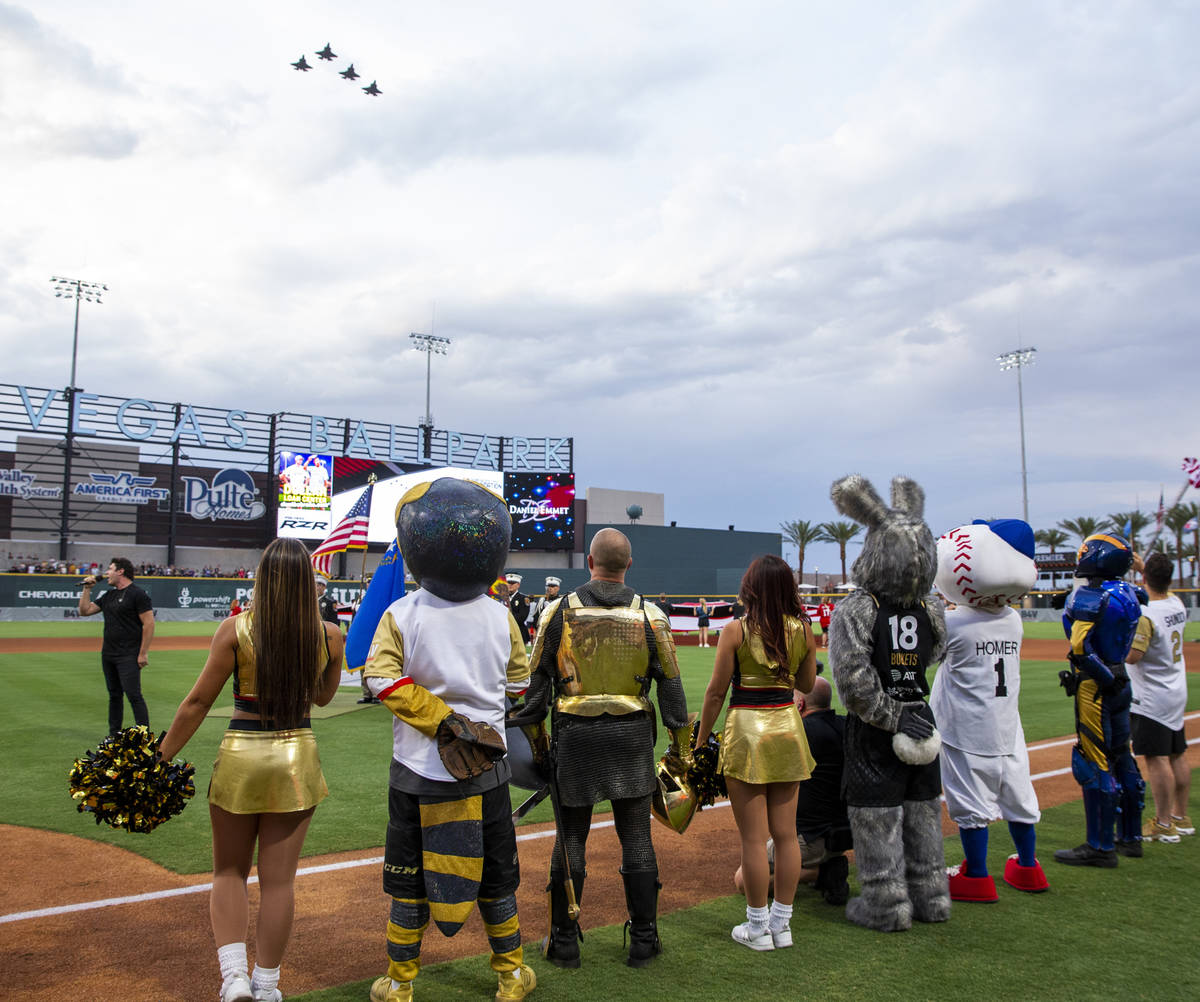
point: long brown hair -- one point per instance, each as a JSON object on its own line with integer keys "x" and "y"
{"x": 289, "y": 649}
{"x": 769, "y": 593}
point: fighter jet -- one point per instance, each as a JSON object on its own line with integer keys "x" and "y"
{"x": 372, "y": 90}
{"x": 348, "y": 73}
{"x": 302, "y": 64}
{"x": 327, "y": 54}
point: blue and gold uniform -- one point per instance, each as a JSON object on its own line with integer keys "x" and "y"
{"x": 1100, "y": 620}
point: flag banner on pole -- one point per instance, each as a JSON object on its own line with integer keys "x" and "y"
{"x": 1161, "y": 513}
{"x": 1191, "y": 469}
{"x": 387, "y": 585}
{"x": 349, "y": 534}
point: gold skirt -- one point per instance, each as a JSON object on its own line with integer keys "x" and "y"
{"x": 267, "y": 772}
{"x": 765, "y": 745}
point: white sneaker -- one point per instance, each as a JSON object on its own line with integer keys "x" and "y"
{"x": 783, "y": 938}
{"x": 760, "y": 941}
{"x": 237, "y": 989}
{"x": 268, "y": 995}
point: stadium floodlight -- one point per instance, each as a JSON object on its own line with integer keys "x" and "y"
{"x": 431, "y": 345}
{"x": 92, "y": 292}
{"x": 77, "y": 289}
{"x": 1018, "y": 360}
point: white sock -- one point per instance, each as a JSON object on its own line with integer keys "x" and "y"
{"x": 265, "y": 980}
{"x": 232, "y": 958}
{"x": 781, "y": 916}
{"x": 757, "y": 917}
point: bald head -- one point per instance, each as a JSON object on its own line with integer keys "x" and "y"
{"x": 610, "y": 555}
{"x": 821, "y": 696}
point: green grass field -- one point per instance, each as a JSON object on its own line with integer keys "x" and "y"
{"x": 1141, "y": 918}
{"x": 1097, "y": 935}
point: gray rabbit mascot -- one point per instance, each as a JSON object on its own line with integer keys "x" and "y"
{"x": 883, "y": 638}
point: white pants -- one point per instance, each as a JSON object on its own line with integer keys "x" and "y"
{"x": 980, "y": 789}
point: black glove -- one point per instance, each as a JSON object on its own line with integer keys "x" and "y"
{"x": 914, "y": 724}
{"x": 467, "y": 747}
{"x": 1069, "y": 680}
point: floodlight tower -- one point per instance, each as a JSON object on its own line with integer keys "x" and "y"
{"x": 77, "y": 289}
{"x": 431, "y": 345}
{"x": 1018, "y": 360}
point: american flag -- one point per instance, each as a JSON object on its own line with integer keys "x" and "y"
{"x": 1191, "y": 469}
{"x": 349, "y": 534}
{"x": 1161, "y": 513}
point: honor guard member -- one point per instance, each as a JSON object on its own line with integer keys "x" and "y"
{"x": 518, "y": 604}
{"x": 598, "y": 650}
{"x": 552, "y": 586}
{"x": 1100, "y": 618}
{"x": 442, "y": 660}
{"x": 326, "y": 605}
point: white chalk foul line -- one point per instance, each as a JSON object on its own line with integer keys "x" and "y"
{"x": 304, "y": 871}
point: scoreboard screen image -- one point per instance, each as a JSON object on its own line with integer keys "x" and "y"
{"x": 542, "y": 506}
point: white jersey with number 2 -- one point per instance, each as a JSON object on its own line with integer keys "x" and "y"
{"x": 1159, "y": 685}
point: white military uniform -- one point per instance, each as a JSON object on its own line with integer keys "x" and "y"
{"x": 1158, "y": 680}
{"x": 985, "y": 765}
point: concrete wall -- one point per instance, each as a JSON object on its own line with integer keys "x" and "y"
{"x": 606, "y": 506}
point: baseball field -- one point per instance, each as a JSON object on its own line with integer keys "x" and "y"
{"x": 90, "y": 913}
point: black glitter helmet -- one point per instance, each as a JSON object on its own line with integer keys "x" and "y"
{"x": 454, "y": 535}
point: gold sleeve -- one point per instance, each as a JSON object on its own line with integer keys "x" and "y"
{"x": 664, "y": 639}
{"x": 518, "y": 660}
{"x": 1080, "y": 628}
{"x": 411, "y": 703}
{"x": 1143, "y": 635}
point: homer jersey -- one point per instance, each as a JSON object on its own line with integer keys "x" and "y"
{"x": 975, "y": 691}
{"x": 1159, "y": 685}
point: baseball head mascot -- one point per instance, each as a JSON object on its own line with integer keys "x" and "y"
{"x": 442, "y": 660}
{"x": 1100, "y": 618}
{"x": 982, "y": 567}
{"x": 883, "y": 637}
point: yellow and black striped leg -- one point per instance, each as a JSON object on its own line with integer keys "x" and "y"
{"x": 503, "y": 931}
{"x": 407, "y": 923}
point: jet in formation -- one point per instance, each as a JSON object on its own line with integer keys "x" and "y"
{"x": 327, "y": 54}
{"x": 372, "y": 90}
{"x": 349, "y": 73}
{"x": 301, "y": 64}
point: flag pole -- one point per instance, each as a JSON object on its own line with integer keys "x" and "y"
{"x": 362, "y": 577}
{"x": 1159, "y": 527}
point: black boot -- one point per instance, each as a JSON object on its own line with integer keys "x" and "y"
{"x": 561, "y": 946}
{"x": 832, "y": 880}
{"x": 641, "y": 898}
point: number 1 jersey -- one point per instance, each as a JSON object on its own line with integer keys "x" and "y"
{"x": 974, "y": 697}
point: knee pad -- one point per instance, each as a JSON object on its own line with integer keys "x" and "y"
{"x": 1087, "y": 774}
{"x": 1128, "y": 776}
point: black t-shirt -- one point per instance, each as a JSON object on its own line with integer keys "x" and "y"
{"x": 123, "y": 608}
{"x": 328, "y": 610}
{"x": 820, "y": 805}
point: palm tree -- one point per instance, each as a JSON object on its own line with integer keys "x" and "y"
{"x": 841, "y": 533}
{"x": 800, "y": 533}
{"x": 1175, "y": 519}
{"x": 1193, "y": 510}
{"x": 1136, "y": 520}
{"x": 1082, "y": 527}
{"x": 1052, "y": 539}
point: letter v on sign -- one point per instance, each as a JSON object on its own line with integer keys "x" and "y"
{"x": 34, "y": 421}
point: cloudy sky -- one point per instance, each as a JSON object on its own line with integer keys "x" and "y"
{"x": 735, "y": 250}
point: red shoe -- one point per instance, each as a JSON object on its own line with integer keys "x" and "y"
{"x": 964, "y": 888}
{"x": 1025, "y": 878}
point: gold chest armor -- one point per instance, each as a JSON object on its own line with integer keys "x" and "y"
{"x": 603, "y": 659}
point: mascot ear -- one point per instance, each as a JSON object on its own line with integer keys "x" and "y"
{"x": 854, "y": 496}
{"x": 908, "y": 497}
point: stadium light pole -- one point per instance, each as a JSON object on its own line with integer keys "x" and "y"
{"x": 431, "y": 344}
{"x": 77, "y": 289}
{"x": 1018, "y": 360}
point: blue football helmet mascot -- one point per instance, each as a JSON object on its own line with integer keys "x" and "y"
{"x": 1100, "y": 619}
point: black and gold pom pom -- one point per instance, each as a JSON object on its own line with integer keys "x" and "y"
{"x": 126, "y": 785}
{"x": 703, "y": 776}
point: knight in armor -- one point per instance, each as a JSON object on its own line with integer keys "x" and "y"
{"x": 1100, "y": 619}
{"x": 598, "y": 651}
